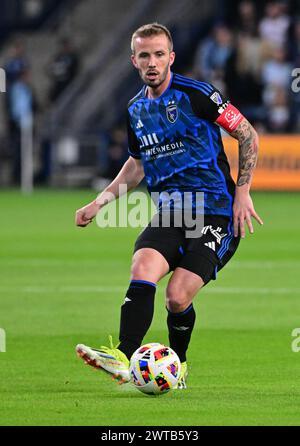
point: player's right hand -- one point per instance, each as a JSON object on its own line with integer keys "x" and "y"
{"x": 86, "y": 214}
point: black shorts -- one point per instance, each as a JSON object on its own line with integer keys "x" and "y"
{"x": 204, "y": 256}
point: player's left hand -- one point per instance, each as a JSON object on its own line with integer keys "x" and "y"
{"x": 243, "y": 211}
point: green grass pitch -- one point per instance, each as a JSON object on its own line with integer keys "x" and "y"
{"x": 61, "y": 285}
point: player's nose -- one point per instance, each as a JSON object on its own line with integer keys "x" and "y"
{"x": 152, "y": 62}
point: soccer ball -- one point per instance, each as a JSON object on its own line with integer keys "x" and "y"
{"x": 154, "y": 368}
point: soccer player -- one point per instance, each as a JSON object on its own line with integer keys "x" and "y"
{"x": 175, "y": 143}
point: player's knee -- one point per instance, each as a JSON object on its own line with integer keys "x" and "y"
{"x": 140, "y": 270}
{"x": 177, "y": 300}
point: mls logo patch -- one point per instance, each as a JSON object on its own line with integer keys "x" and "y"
{"x": 216, "y": 98}
{"x": 172, "y": 112}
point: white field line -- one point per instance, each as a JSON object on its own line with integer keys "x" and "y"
{"x": 119, "y": 289}
{"x": 246, "y": 264}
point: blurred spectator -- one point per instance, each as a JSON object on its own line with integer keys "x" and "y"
{"x": 274, "y": 26}
{"x": 117, "y": 152}
{"x": 21, "y": 99}
{"x": 279, "y": 113}
{"x": 242, "y": 76}
{"x": 294, "y": 43}
{"x": 63, "y": 68}
{"x": 295, "y": 95}
{"x": 247, "y": 23}
{"x": 21, "y": 106}
{"x": 17, "y": 62}
{"x": 276, "y": 77}
{"x": 213, "y": 54}
{"x": 277, "y": 71}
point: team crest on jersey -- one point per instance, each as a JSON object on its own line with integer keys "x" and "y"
{"x": 172, "y": 112}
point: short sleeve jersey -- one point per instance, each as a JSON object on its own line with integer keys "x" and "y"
{"x": 179, "y": 143}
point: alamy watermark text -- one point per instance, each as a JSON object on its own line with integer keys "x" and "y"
{"x": 2, "y": 341}
{"x": 296, "y": 81}
{"x": 2, "y": 81}
{"x": 176, "y": 209}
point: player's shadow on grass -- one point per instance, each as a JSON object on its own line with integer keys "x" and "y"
{"x": 128, "y": 391}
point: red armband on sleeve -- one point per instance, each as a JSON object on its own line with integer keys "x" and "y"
{"x": 230, "y": 118}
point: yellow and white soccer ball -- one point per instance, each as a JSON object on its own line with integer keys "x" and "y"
{"x": 154, "y": 369}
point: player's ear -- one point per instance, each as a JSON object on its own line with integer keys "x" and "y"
{"x": 172, "y": 57}
{"x": 133, "y": 60}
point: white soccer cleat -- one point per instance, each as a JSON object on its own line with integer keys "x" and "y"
{"x": 111, "y": 360}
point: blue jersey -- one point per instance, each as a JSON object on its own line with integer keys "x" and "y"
{"x": 179, "y": 144}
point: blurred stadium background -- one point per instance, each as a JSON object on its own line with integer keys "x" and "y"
{"x": 68, "y": 80}
{"x": 68, "y": 71}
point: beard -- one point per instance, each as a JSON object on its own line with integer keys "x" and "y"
{"x": 155, "y": 83}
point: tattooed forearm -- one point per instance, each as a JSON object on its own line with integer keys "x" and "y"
{"x": 248, "y": 150}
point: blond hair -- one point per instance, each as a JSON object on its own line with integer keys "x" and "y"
{"x": 151, "y": 29}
